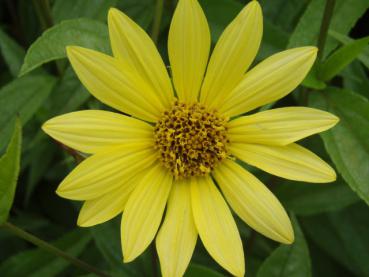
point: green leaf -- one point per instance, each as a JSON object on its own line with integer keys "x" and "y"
{"x": 363, "y": 57}
{"x": 22, "y": 97}
{"x": 107, "y": 239}
{"x": 13, "y": 54}
{"x": 307, "y": 199}
{"x": 9, "y": 170}
{"x": 141, "y": 11}
{"x": 51, "y": 45}
{"x": 345, "y": 15}
{"x": 283, "y": 13}
{"x": 288, "y": 260}
{"x": 221, "y": 12}
{"x": 347, "y": 143}
{"x": 69, "y": 95}
{"x": 341, "y": 58}
{"x": 69, "y": 9}
{"x": 196, "y": 270}
{"x": 39, "y": 263}
{"x": 343, "y": 235}
{"x": 355, "y": 78}
{"x": 312, "y": 80}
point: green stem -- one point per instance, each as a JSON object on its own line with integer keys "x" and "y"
{"x": 327, "y": 17}
{"x": 157, "y": 20}
{"x": 52, "y": 249}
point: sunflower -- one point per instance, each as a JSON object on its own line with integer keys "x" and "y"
{"x": 176, "y": 145}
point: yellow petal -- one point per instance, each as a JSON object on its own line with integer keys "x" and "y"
{"x": 188, "y": 48}
{"x": 292, "y": 161}
{"x": 104, "y": 208}
{"x": 106, "y": 171}
{"x": 232, "y": 55}
{"x": 144, "y": 211}
{"x": 270, "y": 80}
{"x": 133, "y": 47}
{"x": 216, "y": 226}
{"x": 114, "y": 84}
{"x": 177, "y": 237}
{"x": 253, "y": 202}
{"x": 92, "y": 130}
{"x": 280, "y": 126}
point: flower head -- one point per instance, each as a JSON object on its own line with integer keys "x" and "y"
{"x": 176, "y": 147}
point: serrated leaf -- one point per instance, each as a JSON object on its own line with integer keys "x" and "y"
{"x": 196, "y": 270}
{"x": 341, "y": 58}
{"x": 363, "y": 57}
{"x": 347, "y": 143}
{"x": 22, "y": 97}
{"x": 308, "y": 199}
{"x": 39, "y": 263}
{"x": 51, "y": 45}
{"x": 343, "y": 235}
{"x": 288, "y": 260}
{"x": 13, "y": 54}
{"x": 9, "y": 170}
{"x": 345, "y": 15}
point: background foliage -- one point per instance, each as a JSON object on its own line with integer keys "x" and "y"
{"x": 36, "y": 83}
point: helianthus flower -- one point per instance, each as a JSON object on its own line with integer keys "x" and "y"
{"x": 176, "y": 147}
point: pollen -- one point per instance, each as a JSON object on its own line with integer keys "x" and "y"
{"x": 191, "y": 140}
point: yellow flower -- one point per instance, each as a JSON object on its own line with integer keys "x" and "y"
{"x": 180, "y": 145}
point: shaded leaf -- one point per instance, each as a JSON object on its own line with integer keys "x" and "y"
{"x": 196, "y": 270}
{"x": 345, "y": 15}
{"x": 288, "y": 260}
{"x": 22, "y": 97}
{"x": 307, "y": 199}
{"x": 69, "y": 95}
{"x": 363, "y": 57}
{"x": 51, "y": 45}
{"x": 141, "y": 11}
{"x": 347, "y": 143}
{"x": 343, "y": 235}
{"x": 39, "y": 263}
{"x": 9, "y": 170}
{"x": 341, "y": 58}
{"x": 355, "y": 78}
{"x": 221, "y": 12}
{"x": 13, "y": 54}
{"x": 312, "y": 80}
{"x": 69, "y": 9}
{"x": 107, "y": 239}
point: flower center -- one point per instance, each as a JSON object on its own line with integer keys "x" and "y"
{"x": 191, "y": 139}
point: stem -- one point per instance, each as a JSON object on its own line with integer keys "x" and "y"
{"x": 52, "y": 249}
{"x": 157, "y": 20}
{"x": 326, "y": 21}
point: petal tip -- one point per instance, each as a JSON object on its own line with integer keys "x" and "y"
{"x": 112, "y": 13}
{"x": 83, "y": 223}
{"x": 127, "y": 258}
{"x": 45, "y": 127}
{"x": 288, "y": 236}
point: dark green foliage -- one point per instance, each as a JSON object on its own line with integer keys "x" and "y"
{"x": 37, "y": 83}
